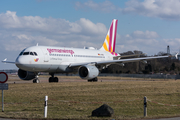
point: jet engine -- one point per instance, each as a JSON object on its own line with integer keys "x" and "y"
{"x": 88, "y": 72}
{"x": 26, "y": 75}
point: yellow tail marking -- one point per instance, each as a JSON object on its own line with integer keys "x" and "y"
{"x": 105, "y": 46}
{"x": 107, "y": 38}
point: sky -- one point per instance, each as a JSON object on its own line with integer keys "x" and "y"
{"x": 144, "y": 25}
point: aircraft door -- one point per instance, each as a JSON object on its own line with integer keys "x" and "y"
{"x": 46, "y": 55}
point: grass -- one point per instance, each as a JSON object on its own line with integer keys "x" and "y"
{"x": 77, "y": 100}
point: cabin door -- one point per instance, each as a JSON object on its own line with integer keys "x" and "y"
{"x": 45, "y": 54}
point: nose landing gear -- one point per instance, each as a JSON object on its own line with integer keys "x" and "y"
{"x": 36, "y": 80}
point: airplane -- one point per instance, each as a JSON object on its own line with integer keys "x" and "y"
{"x": 87, "y": 61}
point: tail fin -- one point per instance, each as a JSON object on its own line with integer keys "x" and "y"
{"x": 110, "y": 40}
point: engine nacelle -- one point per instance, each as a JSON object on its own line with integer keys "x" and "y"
{"x": 26, "y": 75}
{"x": 88, "y": 72}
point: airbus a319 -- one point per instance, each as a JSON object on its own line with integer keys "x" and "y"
{"x": 87, "y": 62}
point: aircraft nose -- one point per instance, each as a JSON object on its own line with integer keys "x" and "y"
{"x": 23, "y": 62}
{"x": 20, "y": 62}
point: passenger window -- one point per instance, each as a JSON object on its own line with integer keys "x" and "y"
{"x": 26, "y": 53}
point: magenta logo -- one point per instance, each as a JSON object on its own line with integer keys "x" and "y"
{"x": 36, "y": 60}
{"x": 60, "y": 51}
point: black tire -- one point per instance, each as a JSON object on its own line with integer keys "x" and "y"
{"x": 95, "y": 79}
{"x": 50, "y": 79}
{"x": 56, "y": 79}
{"x": 90, "y": 80}
{"x": 36, "y": 80}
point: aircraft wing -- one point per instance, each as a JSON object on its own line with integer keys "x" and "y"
{"x": 5, "y": 61}
{"x": 116, "y": 61}
{"x": 80, "y": 64}
{"x": 130, "y": 60}
{"x": 132, "y": 55}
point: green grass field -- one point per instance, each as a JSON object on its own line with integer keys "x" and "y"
{"x": 76, "y": 100}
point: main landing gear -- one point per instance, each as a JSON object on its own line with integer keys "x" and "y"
{"x": 53, "y": 79}
{"x": 93, "y": 80}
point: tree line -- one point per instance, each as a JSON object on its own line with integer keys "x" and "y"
{"x": 154, "y": 66}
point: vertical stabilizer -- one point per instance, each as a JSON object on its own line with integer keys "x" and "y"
{"x": 110, "y": 40}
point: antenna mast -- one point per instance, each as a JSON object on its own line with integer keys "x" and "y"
{"x": 168, "y": 50}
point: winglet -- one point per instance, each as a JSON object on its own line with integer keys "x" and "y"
{"x": 176, "y": 55}
{"x": 5, "y": 61}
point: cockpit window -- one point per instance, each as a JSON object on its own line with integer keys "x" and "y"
{"x": 21, "y": 53}
{"x": 26, "y": 53}
{"x": 35, "y": 53}
{"x": 31, "y": 53}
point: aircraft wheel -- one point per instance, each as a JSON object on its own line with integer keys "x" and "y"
{"x": 50, "y": 79}
{"x": 90, "y": 80}
{"x": 36, "y": 80}
{"x": 56, "y": 79}
{"x": 95, "y": 79}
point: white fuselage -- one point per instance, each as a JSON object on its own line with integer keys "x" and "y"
{"x": 57, "y": 59}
